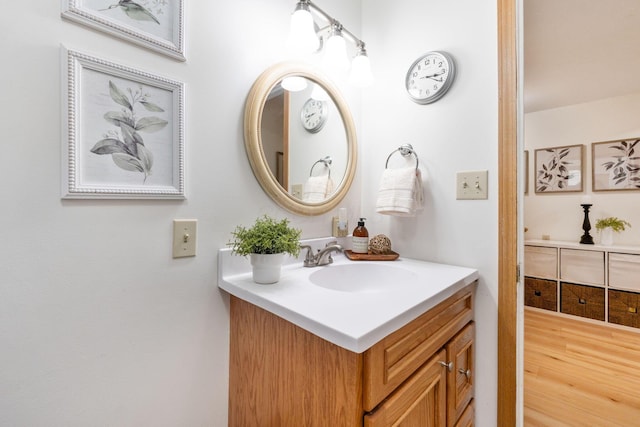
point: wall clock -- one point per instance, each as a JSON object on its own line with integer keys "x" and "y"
{"x": 430, "y": 77}
{"x": 314, "y": 115}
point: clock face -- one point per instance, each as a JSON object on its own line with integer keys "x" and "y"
{"x": 429, "y": 77}
{"x": 314, "y": 115}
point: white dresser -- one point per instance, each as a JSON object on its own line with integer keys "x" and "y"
{"x": 593, "y": 281}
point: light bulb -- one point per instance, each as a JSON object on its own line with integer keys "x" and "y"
{"x": 335, "y": 59}
{"x": 302, "y": 34}
{"x": 294, "y": 83}
{"x": 361, "y": 75}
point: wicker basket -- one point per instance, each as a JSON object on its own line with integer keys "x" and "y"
{"x": 624, "y": 307}
{"x": 540, "y": 293}
{"x": 580, "y": 300}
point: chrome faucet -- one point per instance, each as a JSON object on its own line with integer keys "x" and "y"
{"x": 322, "y": 257}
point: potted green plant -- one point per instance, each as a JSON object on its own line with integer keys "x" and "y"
{"x": 607, "y": 226}
{"x": 266, "y": 242}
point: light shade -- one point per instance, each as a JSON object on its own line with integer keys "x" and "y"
{"x": 335, "y": 59}
{"x": 318, "y": 93}
{"x": 294, "y": 83}
{"x": 302, "y": 34}
{"x": 361, "y": 75}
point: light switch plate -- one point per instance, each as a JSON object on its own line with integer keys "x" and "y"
{"x": 184, "y": 237}
{"x": 472, "y": 185}
{"x": 296, "y": 191}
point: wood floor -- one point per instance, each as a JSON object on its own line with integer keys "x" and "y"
{"x": 579, "y": 373}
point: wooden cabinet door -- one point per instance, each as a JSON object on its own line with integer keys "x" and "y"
{"x": 420, "y": 402}
{"x": 467, "y": 419}
{"x": 460, "y": 376}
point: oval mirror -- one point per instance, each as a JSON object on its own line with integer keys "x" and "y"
{"x": 300, "y": 138}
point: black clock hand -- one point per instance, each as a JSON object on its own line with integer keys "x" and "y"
{"x": 433, "y": 75}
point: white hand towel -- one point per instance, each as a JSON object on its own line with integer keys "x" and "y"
{"x": 400, "y": 192}
{"x": 317, "y": 189}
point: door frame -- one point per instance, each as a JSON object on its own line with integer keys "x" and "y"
{"x": 508, "y": 272}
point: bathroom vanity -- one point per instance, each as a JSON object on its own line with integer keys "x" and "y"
{"x": 313, "y": 354}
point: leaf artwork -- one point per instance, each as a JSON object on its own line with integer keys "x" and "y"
{"x": 138, "y": 11}
{"x": 125, "y": 144}
{"x": 554, "y": 174}
{"x": 624, "y": 169}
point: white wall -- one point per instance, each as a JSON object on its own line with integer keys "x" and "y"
{"x": 98, "y": 324}
{"x": 559, "y": 215}
{"x": 457, "y": 133}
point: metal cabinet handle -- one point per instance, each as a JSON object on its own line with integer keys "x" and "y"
{"x": 448, "y": 365}
{"x": 466, "y": 373}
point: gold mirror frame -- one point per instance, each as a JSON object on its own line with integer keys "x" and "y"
{"x": 254, "y": 107}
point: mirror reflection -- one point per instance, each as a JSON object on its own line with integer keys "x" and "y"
{"x": 304, "y": 141}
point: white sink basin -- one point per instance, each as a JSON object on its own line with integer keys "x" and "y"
{"x": 361, "y": 277}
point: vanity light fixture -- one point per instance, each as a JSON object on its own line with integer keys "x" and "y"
{"x": 306, "y": 38}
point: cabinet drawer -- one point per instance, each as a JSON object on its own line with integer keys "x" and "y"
{"x": 582, "y": 266}
{"x": 624, "y": 308}
{"x": 580, "y": 300}
{"x": 396, "y": 357}
{"x": 541, "y": 293}
{"x": 541, "y": 262}
{"x": 624, "y": 271}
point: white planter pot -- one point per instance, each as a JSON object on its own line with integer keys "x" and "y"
{"x": 606, "y": 236}
{"x": 266, "y": 267}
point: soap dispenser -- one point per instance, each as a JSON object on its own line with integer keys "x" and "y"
{"x": 360, "y": 242}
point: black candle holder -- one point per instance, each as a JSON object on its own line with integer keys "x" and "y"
{"x": 586, "y": 238}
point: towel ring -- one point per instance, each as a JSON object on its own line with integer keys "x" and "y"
{"x": 405, "y": 150}
{"x": 327, "y": 163}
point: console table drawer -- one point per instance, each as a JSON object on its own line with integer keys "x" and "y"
{"x": 541, "y": 262}
{"x": 582, "y": 266}
{"x": 580, "y": 300}
{"x": 624, "y": 271}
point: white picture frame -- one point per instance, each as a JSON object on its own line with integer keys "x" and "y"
{"x": 123, "y": 131}
{"x": 155, "y": 24}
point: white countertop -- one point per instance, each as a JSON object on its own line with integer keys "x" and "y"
{"x": 352, "y": 320}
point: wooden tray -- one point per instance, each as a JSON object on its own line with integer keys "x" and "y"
{"x": 370, "y": 257}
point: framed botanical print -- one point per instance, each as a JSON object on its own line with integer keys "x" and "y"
{"x": 155, "y": 24}
{"x": 615, "y": 165}
{"x": 123, "y": 131}
{"x": 559, "y": 169}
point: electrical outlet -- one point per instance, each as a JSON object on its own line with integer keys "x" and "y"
{"x": 184, "y": 237}
{"x": 471, "y": 185}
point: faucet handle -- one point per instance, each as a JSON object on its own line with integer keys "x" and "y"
{"x": 309, "y": 259}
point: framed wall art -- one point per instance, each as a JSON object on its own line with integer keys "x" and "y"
{"x": 616, "y": 165}
{"x": 559, "y": 169}
{"x": 123, "y": 131}
{"x": 154, "y": 24}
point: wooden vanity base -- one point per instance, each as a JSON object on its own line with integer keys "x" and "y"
{"x": 281, "y": 375}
